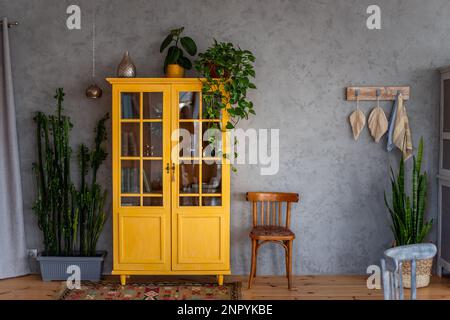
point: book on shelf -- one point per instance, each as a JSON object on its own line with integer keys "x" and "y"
{"x": 147, "y": 188}
{"x": 132, "y": 145}
{"x": 129, "y": 110}
{"x": 130, "y": 180}
{"x": 124, "y": 142}
{"x": 129, "y": 145}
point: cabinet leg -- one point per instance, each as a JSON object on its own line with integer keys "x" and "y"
{"x": 123, "y": 279}
{"x": 220, "y": 279}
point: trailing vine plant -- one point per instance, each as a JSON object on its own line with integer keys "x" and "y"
{"x": 227, "y": 73}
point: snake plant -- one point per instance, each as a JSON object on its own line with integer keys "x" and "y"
{"x": 407, "y": 212}
{"x": 71, "y": 220}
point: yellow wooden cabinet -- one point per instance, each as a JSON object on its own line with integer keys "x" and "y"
{"x": 171, "y": 186}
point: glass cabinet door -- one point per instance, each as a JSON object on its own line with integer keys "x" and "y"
{"x": 199, "y": 165}
{"x": 142, "y": 142}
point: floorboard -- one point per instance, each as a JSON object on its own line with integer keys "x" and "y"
{"x": 340, "y": 287}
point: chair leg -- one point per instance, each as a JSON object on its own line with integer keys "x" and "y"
{"x": 286, "y": 260}
{"x": 253, "y": 266}
{"x": 290, "y": 264}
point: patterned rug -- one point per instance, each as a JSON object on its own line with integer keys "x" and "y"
{"x": 153, "y": 291}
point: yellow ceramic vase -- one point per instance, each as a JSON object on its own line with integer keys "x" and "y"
{"x": 174, "y": 71}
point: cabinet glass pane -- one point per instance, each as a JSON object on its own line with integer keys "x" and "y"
{"x": 130, "y": 142}
{"x": 152, "y": 136}
{"x": 189, "y": 139}
{"x": 152, "y": 176}
{"x": 212, "y": 140}
{"x": 189, "y": 105}
{"x": 446, "y": 119}
{"x": 130, "y": 105}
{"x": 211, "y": 177}
{"x": 153, "y": 201}
{"x": 153, "y": 105}
{"x": 130, "y": 201}
{"x": 189, "y": 177}
{"x": 445, "y": 227}
{"x": 130, "y": 177}
{"x": 189, "y": 201}
{"x": 211, "y": 201}
{"x": 446, "y": 154}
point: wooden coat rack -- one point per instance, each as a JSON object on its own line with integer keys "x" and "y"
{"x": 370, "y": 93}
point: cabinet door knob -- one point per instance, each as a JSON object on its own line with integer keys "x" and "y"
{"x": 173, "y": 171}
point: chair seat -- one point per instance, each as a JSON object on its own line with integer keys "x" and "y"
{"x": 272, "y": 232}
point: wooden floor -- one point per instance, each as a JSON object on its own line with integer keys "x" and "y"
{"x": 265, "y": 287}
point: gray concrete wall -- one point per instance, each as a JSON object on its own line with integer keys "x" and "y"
{"x": 307, "y": 53}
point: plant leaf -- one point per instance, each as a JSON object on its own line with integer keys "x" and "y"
{"x": 189, "y": 45}
{"x": 166, "y": 42}
{"x": 229, "y": 126}
{"x": 173, "y": 54}
{"x": 185, "y": 63}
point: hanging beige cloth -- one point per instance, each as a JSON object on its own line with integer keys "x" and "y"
{"x": 357, "y": 122}
{"x": 377, "y": 123}
{"x": 402, "y": 132}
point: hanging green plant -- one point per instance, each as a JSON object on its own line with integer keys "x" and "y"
{"x": 175, "y": 54}
{"x": 227, "y": 71}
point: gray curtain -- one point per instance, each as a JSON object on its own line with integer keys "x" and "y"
{"x": 13, "y": 258}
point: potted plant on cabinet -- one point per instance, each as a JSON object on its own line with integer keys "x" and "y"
{"x": 227, "y": 71}
{"x": 176, "y": 61}
{"x": 408, "y": 216}
{"x": 71, "y": 220}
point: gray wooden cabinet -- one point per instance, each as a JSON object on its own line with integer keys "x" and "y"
{"x": 443, "y": 257}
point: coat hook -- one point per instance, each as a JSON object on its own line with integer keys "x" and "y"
{"x": 378, "y": 92}
{"x": 357, "y": 92}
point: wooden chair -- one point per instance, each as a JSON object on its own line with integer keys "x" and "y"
{"x": 392, "y": 263}
{"x": 271, "y": 224}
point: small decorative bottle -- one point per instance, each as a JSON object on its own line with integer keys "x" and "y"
{"x": 126, "y": 68}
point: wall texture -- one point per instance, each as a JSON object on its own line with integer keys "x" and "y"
{"x": 307, "y": 53}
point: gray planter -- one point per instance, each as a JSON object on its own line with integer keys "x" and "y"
{"x": 55, "y": 268}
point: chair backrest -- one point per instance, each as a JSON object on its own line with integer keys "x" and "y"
{"x": 392, "y": 268}
{"x": 272, "y": 208}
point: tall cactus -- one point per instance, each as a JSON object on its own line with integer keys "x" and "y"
{"x": 407, "y": 213}
{"x": 91, "y": 197}
{"x": 54, "y": 203}
{"x": 66, "y": 216}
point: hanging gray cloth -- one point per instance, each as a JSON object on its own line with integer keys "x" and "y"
{"x": 13, "y": 259}
{"x": 390, "y": 140}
